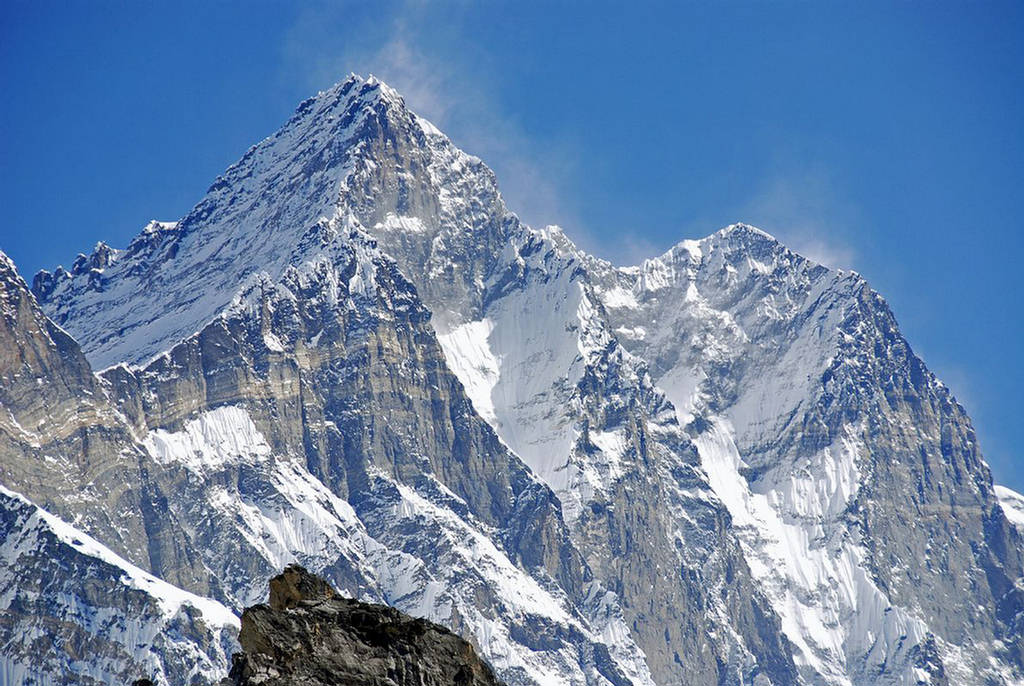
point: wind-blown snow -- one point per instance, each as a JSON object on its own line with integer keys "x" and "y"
{"x": 1012, "y": 503}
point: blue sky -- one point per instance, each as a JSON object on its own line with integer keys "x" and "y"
{"x": 882, "y": 137}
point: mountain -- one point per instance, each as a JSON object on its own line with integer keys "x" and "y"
{"x": 310, "y": 635}
{"x": 75, "y": 612}
{"x": 425, "y": 509}
{"x": 724, "y": 465}
{"x": 852, "y": 475}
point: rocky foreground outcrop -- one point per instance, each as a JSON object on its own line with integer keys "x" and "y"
{"x": 310, "y": 635}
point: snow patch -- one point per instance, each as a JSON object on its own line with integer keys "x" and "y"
{"x": 619, "y": 297}
{"x": 222, "y": 436}
{"x": 1012, "y": 503}
{"x": 830, "y": 608}
{"x": 470, "y": 358}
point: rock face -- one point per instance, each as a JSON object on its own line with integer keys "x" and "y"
{"x": 820, "y": 471}
{"x": 73, "y": 612}
{"x": 311, "y": 636}
{"x": 351, "y": 355}
{"x": 430, "y": 513}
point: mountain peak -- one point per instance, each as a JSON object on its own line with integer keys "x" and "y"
{"x": 6, "y": 264}
{"x": 739, "y": 229}
{"x": 352, "y": 93}
{"x": 353, "y": 149}
{"x": 384, "y": 90}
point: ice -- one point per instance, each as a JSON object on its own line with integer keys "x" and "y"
{"x": 830, "y": 608}
{"x": 213, "y": 439}
{"x": 308, "y": 522}
{"x": 148, "y": 301}
{"x": 737, "y": 331}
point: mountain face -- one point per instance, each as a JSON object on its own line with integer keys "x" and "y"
{"x": 314, "y": 420}
{"x": 852, "y": 476}
{"x": 308, "y": 635}
{"x": 724, "y": 465}
{"x": 73, "y": 611}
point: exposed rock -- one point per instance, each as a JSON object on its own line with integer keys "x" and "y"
{"x": 67, "y": 448}
{"x": 74, "y": 613}
{"x": 308, "y": 635}
{"x": 839, "y": 456}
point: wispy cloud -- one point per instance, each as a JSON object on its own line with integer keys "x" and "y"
{"x": 805, "y": 210}
{"x": 426, "y": 52}
{"x": 411, "y": 51}
{"x": 630, "y": 247}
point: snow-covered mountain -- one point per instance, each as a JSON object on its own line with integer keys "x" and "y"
{"x": 722, "y": 466}
{"x": 852, "y": 476}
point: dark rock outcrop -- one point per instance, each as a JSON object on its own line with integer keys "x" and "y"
{"x": 309, "y": 635}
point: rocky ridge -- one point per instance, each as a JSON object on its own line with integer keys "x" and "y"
{"x": 307, "y": 634}
{"x": 820, "y": 470}
{"x": 470, "y": 540}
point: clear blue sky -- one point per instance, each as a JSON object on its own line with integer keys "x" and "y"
{"x": 887, "y": 138}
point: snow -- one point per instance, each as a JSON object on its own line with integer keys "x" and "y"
{"x": 635, "y": 332}
{"x": 743, "y": 228}
{"x": 712, "y": 312}
{"x": 471, "y": 360}
{"x": 830, "y": 608}
{"x": 273, "y": 343}
{"x": 252, "y": 219}
{"x": 428, "y": 128}
{"x": 252, "y": 228}
{"x": 303, "y": 520}
{"x": 223, "y": 436}
{"x": 401, "y": 224}
{"x": 363, "y": 281}
{"x": 516, "y": 588}
{"x": 519, "y": 364}
{"x": 655, "y": 275}
{"x": 524, "y": 601}
{"x": 619, "y": 297}
{"x": 681, "y": 386}
{"x": 740, "y": 337}
{"x": 1012, "y": 504}
{"x": 768, "y": 402}
{"x": 613, "y": 445}
{"x": 169, "y": 598}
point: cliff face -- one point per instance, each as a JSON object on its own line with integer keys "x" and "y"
{"x": 75, "y": 613}
{"x": 839, "y": 456}
{"x": 315, "y": 421}
{"x": 309, "y": 635}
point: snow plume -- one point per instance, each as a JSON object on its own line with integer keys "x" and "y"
{"x": 806, "y": 210}
{"x": 452, "y": 88}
